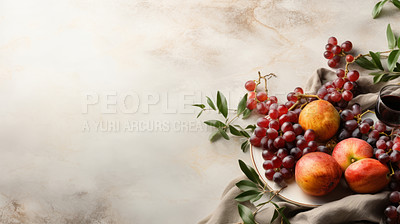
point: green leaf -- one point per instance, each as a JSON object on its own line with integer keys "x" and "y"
{"x": 377, "y": 78}
{"x": 247, "y": 195}
{"x": 242, "y": 105}
{"x": 246, "y": 113}
{"x": 210, "y": 103}
{"x": 246, "y": 185}
{"x": 280, "y": 211}
{"x": 245, "y": 134}
{"x": 250, "y": 173}
{"x": 257, "y": 197}
{"x": 398, "y": 43}
{"x": 246, "y": 214}
{"x": 215, "y": 123}
{"x": 274, "y": 216}
{"x": 394, "y": 77}
{"x": 377, "y": 59}
{"x": 396, "y": 3}
{"x": 214, "y": 136}
{"x": 251, "y": 127}
{"x": 234, "y": 131}
{"x": 365, "y": 63}
{"x": 385, "y": 78}
{"x": 245, "y": 146}
{"x": 390, "y": 37}
{"x": 392, "y": 59}
{"x": 222, "y": 104}
{"x": 377, "y": 73}
{"x": 199, "y": 105}
{"x": 200, "y": 113}
{"x": 397, "y": 69}
{"x": 377, "y": 9}
{"x": 223, "y": 133}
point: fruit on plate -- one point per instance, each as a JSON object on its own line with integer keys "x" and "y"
{"x": 367, "y": 176}
{"x": 322, "y": 117}
{"x": 317, "y": 173}
{"x": 351, "y": 150}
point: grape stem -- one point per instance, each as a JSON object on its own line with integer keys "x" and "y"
{"x": 265, "y": 78}
{"x": 391, "y": 169}
{"x": 358, "y": 117}
{"x": 275, "y": 193}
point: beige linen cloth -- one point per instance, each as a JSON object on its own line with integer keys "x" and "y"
{"x": 357, "y": 208}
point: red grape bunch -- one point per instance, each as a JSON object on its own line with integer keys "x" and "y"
{"x": 334, "y": 52}
{"x": 259, "y": 99}
{"x": 283, "y": 140}
{"x": 352, "y": 125}
{"x": 388, "y": 151}
{"x": 341, "y": 90}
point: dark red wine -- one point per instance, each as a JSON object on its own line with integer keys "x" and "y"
{"x": 388, "y": 110}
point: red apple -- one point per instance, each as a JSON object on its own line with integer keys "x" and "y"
{"x": 322, "y": 117}
{"x": 350, "y": 150}
{"x": 317, "y": 173}
{"x": 367, "y": 176}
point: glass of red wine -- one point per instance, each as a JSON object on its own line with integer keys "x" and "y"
{"x": 388, "y": 106}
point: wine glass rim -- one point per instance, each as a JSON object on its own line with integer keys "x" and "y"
{"x": 383, "y": 88}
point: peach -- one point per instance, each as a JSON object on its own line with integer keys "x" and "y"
{"x": 322, "y": 117}
{"x": 367, "y": 176}
{"x": 350, "y": 150}
{"x": 317, "y": 173}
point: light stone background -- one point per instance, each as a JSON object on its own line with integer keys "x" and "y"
{"x": 58, "y": 56}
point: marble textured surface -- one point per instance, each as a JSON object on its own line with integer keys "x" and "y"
{"x": 95, "y": 122}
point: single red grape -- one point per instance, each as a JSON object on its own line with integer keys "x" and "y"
{"x": 329, "y": 47}
{"x": 262, "y": 108}
{"x": 274, "y": 124}
{"x": 299, "y": 90}
{"x": 260, "y": 132}
{"x": 262, "y": 122}
{"x": 340, "y": 73}
{"x": 282, "y": 109}
{"x": 288, "y": 161}
{"x": 349, "y": 58}
{"x": 347, "y": 46}
{"x": 276, "y": 162}
{"x": 282, "y": 153}
{"x": 287, "y": 126}
{"x": 273, "y": 99}
{"x": 297, "y": 129}
{"x": 339, "y": 82}
{"x": 262, "y": 96}
{"x": 348, "y": 86}
{"x": 336, "y": 49}
{"x": 272, "y": 133}
{"x": 364, "y": 128}
{"x": 267, "y": 165}
{"x": 328, "y": 54}
{"x": 251, "y": 104}
{"x": 347, "y": 95}
{"x": 335, "y": 96}
{"x": 289, "y": 136}
{"x": 332, "y": 63}
{"x": 267, "y": 155}
{"x": 353, "y": 75}
{"x": 332, "y": 40}
{"x": 279, "y": 142}
{"x": 255, "y": 141}
{"x": 309, "y": 135}
{"x": 269, "y": 174}
{"x": 273, "y": 113}
{"x": 250, "y": 85}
